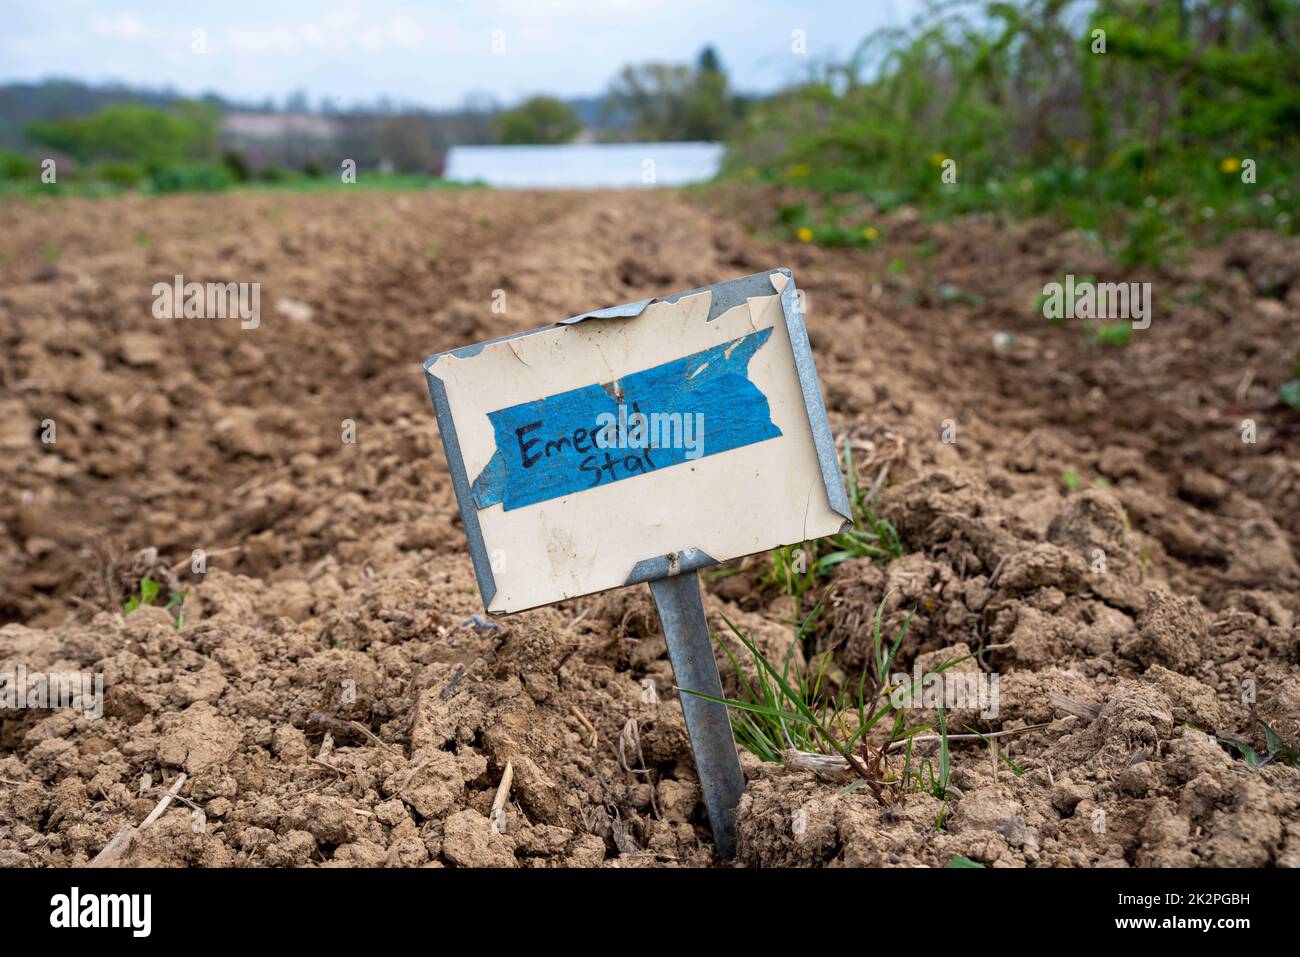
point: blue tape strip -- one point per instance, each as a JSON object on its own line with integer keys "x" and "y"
{"x": 592, "y": 436}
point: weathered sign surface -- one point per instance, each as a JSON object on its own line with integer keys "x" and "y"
{"x": 639, "y": 441}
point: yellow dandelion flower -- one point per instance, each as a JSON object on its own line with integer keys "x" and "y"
{"x": 870, "y": 234}
{"x": 1230, "y": 165}
{"x": 805, "y": 234}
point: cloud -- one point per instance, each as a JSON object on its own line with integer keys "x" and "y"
{"x": 123, "y": 27}
{"x": 333, "y": 33}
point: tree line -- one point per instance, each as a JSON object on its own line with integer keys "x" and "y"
{"x": 126, "y": 141}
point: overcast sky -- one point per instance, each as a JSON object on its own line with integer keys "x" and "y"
{"x": 427, "y": 54}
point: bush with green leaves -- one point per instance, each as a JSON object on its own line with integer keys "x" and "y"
{"x": 1130, "y": 119}
{"x": 119, "y": 173}
{"x": 272, "y": 173}
{"x": 192, "y": 177}
{"x": 153, "y": 138}
{"x": 17, "y": 166}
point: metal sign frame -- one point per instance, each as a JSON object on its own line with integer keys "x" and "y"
{"x": 726, "y": 295}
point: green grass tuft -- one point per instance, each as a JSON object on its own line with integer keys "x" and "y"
{"x": 798, "y": 708}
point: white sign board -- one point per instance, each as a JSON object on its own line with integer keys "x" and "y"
{"x": 636, "y": 442}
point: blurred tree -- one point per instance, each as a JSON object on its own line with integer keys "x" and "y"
{"x": 406, "y": 139}
{"x": 707, "y": 105}
{"x": 237, "y": 163}
{"x": 673, "y": 101}
{"x": 152, "y": 137}
{"x": 23, "y": 103}
{"x": 204, "y": 119}
{"x": 708, "y": 61}
{"x": 653, "y": 96}
{"x": 542, "y": 119}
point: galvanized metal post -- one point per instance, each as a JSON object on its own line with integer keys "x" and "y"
{"x": 681, "y": 612}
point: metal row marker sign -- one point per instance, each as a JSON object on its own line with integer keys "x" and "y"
{"x": 640, "y": 443}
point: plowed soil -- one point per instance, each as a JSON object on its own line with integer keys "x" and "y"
{"x": 334, "y": 694}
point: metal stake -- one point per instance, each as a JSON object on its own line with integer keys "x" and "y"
{"x": 681, "y": 612}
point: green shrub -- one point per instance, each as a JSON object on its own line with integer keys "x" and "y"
{"x": 119, "y": 173}
{"x": 196, "y": 177}
{"x": 143, "y": 134}
{"x": 237, "y": 164}
{"x": 274, "y": 174}
{"x": 1150, "y": 143}
{"x": 17, "y": 165}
